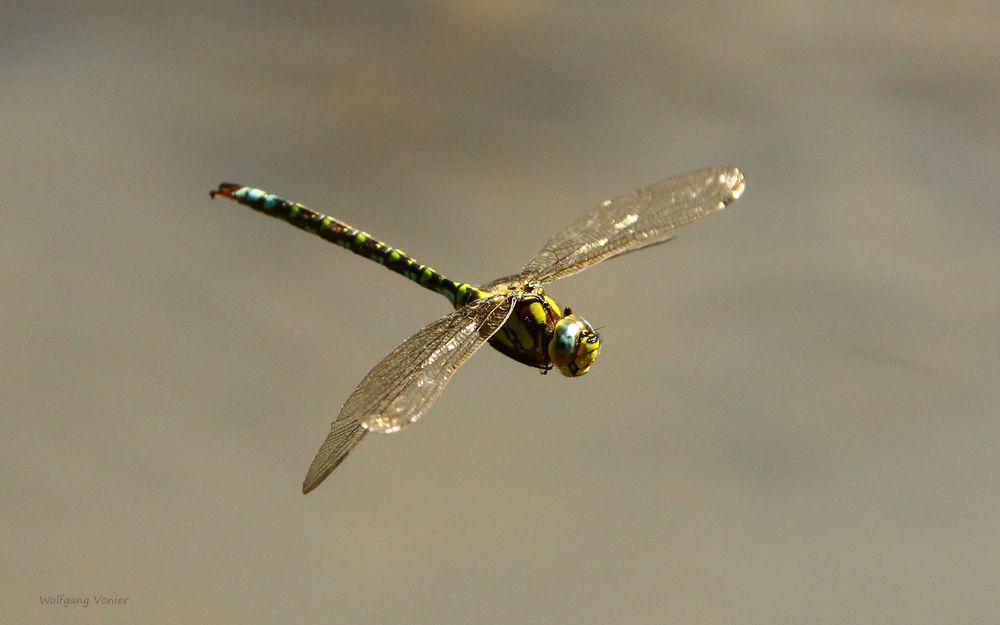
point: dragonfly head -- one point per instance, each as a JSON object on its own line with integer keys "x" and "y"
{"x": 574, "y": 346}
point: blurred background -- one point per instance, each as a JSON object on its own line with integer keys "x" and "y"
{"x": 794, "y": 417}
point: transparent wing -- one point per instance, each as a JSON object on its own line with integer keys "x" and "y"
{"x": 631, "y": 222}
{"x": 344, "y": 435}
{"x": 401, "y": 388}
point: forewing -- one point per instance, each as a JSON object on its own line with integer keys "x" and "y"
{"x": 631, "y": 222}
{"x": 401, "y": 388}
{"x": 344, "y": 435}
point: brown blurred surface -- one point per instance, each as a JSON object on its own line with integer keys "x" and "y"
{"x": 794, "y": 418}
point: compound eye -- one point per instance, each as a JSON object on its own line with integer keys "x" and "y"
{"x": 564, "y": 341}
{"x": 574, "y": 346}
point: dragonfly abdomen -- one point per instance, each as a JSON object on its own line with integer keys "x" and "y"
{"x": 344, "y": 235}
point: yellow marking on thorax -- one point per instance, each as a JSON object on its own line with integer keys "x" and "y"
{"x": 524, "y": 337}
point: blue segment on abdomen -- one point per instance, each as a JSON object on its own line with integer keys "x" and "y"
{"x": 267, "y": 201}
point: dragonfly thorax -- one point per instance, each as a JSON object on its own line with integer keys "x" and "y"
{"x": 538, "y": 333}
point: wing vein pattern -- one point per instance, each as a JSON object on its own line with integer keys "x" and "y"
{"x": 400, "y": 388}
{"x": 631, "y": 222}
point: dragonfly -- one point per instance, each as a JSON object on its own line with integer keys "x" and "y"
{"x": 513, "y": 314}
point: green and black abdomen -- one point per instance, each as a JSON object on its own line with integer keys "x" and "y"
{"x": 344, "y": 235}
{"x": 526, "y": 337}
